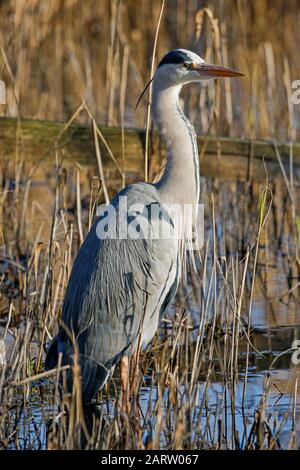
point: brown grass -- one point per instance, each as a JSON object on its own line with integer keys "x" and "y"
{"x": 55, "y": 53}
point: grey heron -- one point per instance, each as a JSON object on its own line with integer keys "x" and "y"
{"x": 120, "y": 286}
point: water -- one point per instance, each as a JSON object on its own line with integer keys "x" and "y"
{"x": 281, "y": 403}
{"x": 279, "y": 410}
{"x": 275, "y": 326}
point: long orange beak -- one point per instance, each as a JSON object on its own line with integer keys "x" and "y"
{"x": 215, "y": 71}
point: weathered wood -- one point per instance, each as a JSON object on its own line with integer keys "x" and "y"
{"x": 226, "y": 158}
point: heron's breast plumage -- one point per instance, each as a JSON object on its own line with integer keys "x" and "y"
{"x": 117, "y": 289}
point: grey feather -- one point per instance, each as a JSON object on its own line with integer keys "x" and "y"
{"x": 119, "y": 287}
{"x": 117, "y": 290}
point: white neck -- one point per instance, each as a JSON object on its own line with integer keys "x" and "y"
{"x": 180, "y": 181}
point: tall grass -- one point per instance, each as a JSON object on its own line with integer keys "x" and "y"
{"x": 56, "y": 55}
{"x": 200, "y": 344}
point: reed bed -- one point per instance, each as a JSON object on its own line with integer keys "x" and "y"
{"x": 56, "y": 54}
{"x": 195, "y": 382}
{"x": 208, "y": 336}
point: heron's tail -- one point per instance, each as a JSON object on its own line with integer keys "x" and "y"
{"x": 94, "y": 377}
{"x": 93, "y": 373}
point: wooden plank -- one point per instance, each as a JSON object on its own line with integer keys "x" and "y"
{"x": 220, "y": 157}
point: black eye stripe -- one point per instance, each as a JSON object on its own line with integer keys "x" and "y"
{"x": 174, "y": 57}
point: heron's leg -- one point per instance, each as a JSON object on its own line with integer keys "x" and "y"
{"x": 135, "y": 371}
{"x": 124, "y": 370}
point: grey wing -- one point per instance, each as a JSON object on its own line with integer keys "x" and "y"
{"x": 116, "y": 292}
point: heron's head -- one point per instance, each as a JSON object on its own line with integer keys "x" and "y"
{"x": 180, "y": 67}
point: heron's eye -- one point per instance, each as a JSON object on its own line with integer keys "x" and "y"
{"x": 185, "y": 65}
